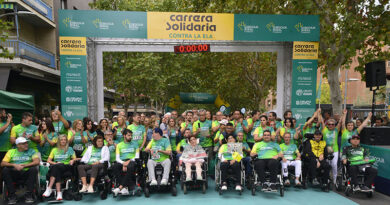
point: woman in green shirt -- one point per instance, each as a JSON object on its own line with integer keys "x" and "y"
{"x": 76, "y": 137}
{"x": 48, "y": 138}
{"x": 173, "y": 132}
{"x": 89, "y": 131}
{"x": 61, "y": 160}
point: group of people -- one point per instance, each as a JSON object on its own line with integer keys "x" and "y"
{"x": 271, "y": 143}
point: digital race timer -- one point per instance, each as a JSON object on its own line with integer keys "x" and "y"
{"x": 197, "y": 48}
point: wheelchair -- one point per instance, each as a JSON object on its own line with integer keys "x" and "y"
{"x": 138, "y": 179}
{"x": 158, "y": 171}
{"x": 255, "y": 183}
{"x": 102, "y": 183}
{"x": 344, "y": 183}
{"x": 325, "y": 185}
{"x": 194, "y": 183}
{"x": 291, "y": 177}
{"x": 230, "y": 178}
{"x": 68, "y": 185}
{"x": 19, "y": 184}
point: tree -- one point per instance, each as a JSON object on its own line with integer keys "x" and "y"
{"x": 4, "y": 27}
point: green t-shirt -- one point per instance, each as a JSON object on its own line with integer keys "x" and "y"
{"x": 172, "y": 138}
{"x": 309, "y": 130}
{"x": 96, "y": 155}
{"x": 59, "y": 127}
{"x": 218, "y": 136}
{"x": 223, "y": 151}
{"x": 59, "y": 155}
{"x": 93, "y": 135}
{"x": 183, "y": 125}
{"x": 77, "y": 144}
{"x": 355, "y": 154}
{"x": 127, "y": 150}
{"x": 138, "y": 133}
{"x": 266, "y": 150}
{"x": 205, "y": 129}
{"x": 246, "y": 147}
{"x": 260, "y": 130}
{"x": 46, "y": 148}
{"x": 215, "y": 124}
{"x": 291, "y": 131}
{"x": 331, "y": 138}
{"x": 251, "y": 136}
{"x": 5, "y": 144}
{"x": 111, "y": 148}
{"x": 162, "y": 144}
{"x": 289, "y": 151}
{"x": 119, "y": 135}
{"x": 18, "y": 131}
{"x": 345, "y": 136}
{"x": 182, "y": 144}
{"x": 15, "y": 157}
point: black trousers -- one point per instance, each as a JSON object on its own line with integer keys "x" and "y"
{"x": 124, "y": 178}
{"x": 369, "y": 175}
{"x": 11, "y": 175}
{"x": 58, "y": 170}
{"x": 224, "y": 167}
{"x": 314, "y": 171}
{"x": 271, "y": 164}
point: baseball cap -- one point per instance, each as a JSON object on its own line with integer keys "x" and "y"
{"x": 223, "y": 122}
{"x": 20, "y": 140}
{"x": 355, "y": 136}
{"x": 317, "y": 132}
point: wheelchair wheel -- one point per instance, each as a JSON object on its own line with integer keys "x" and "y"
{"x": 184, "y": 188}
{"x": 339, "y": 183}
{"x": 78, "y": 197}
{"x": 204, "y": 187}
{"x": 220, "y": 190}
{"x": 174, "y": 191}
{"x": 68, "y": 195}
{"x": 281, "y": 191}
{"x": 138, "y": 192}
{"x": 147, "y": 192}
{"x": 348, "y": 191}
{"x": 369, "y": 194}
{"x": 103, "y": 195}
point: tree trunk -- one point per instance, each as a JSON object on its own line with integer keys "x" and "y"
{"x": 335, "y": 93}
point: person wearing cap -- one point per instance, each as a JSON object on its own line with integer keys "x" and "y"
{"x": 126, "y": 153}
{"x": 19, "y": 164}
{"x": 160, "y": 150}
{"x": 315, "y": 153}
{"x": 354, "y": 154}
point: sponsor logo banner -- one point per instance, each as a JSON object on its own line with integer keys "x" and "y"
{"x": 73, "y": 46}
{"x": 305, "y": 50}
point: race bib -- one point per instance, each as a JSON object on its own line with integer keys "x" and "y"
{"x": 78, "y": 147}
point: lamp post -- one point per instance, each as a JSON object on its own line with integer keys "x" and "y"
{"x": 346, "y": 87}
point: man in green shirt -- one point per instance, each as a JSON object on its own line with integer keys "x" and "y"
{"x": 19, "y": 164}
{"x": 267, "y": 153}
{"x": 291, "y": 157}
{"x": 27, "y": 130}
{"x": 139, "y": 132}
{"x": 355, "y": 154}
{"x": 160, "y": 150}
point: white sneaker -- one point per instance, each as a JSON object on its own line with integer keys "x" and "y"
{"x": 238, "y": 188}
{"x": 59, "y": 196}
{"x": 125, "y": 191}
{"x": 90, "y": 189}
{"x": 47, "y": 192}
{"x": 188, "y": 179}
{"x": 164, "y": 182}
{"x": 116, "y": 191}
{"x": 84, "y": 189}
{"x": 224, "y": 187}
{"x": 153, "y": 183}
{"x": 199, "y": 177}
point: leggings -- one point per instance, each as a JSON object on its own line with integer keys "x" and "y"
{"x": 58, "y": 170}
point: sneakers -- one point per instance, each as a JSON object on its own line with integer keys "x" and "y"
{"x": 83, "y": 189}
{"x": 224, "y": 187}
{"x": 29, "y": 198}
{"x": 125, "y": 191}
{"x": 188, "y": 179}
{"x": 90, "y": 189}
{"x": 297, "y": 182}
{"x": 238, "y": 188}
{"x": 287, "y": 182}
{"x": 164, "y": 182}
{"x": 366, "y": 189}
{"x": 315, "y": 182}
{"x": 153, "y": 183}
{"x": 116, "y": 191}
{"x": 199, "y": 177}
{"x": 272, "y": 188}
{"x": 264, "y": 187}
{"x": 59, "y": 196}
{"x": 356, "y": 188}
{"x": 47, "y": 192}
{"x": 12, "y": 199}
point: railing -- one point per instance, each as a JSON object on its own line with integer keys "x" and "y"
{"x": 41, "y": 7}
{"x": 28, "y": 51}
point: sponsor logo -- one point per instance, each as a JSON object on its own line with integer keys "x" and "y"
{"x": 301, "y": 92}
{"x": 298, "y": 116}
{"x": 302, "y": 69}
{"x": 127, "y": 24}
{"x": 69, "y": 23}
{"x": 303, "y": 102}
{"x": 304, "y": 29}
{"x": 69, "y": 64}
{"x": 274, "y": 28}
{"x": 68, "y": 113}
{"x": 74, "y": 89}
{"x": 247, "y": 28}
{"x": 74, "y": 99}
{"x": 102, "y": 25}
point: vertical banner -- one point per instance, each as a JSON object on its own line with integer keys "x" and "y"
{"x": 73, "y": 62}
{"x": 304, "y": 80}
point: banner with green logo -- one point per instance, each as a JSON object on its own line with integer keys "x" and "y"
{"x": 382, "y": 157}
{"x": 252, "y": 27}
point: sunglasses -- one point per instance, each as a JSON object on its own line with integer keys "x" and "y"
{"x": 331, "y": 124}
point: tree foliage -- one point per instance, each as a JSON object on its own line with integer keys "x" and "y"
{"x": 4, "y": 27}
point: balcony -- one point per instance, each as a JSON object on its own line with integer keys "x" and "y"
{"x": 30, "y": 52}
{"x": 41, "y": 7}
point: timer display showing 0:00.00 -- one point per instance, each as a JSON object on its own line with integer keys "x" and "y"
{"x": 192, "y": 48}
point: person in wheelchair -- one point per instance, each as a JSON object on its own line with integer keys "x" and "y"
{"x": 183, "y": 143}
{"x": 291, "y": 157}
{"x": 123, "y": 170}
{"x": 160, "y": 150}
{"x": 228, "y": 161}
{"x": 193, "y": 154}
{"x": 94, "y": 158}
{"x": 267, "y": 153}
{"x": 20, "y": 164}
{"x": 355, "y": 154}
{"x": 316, "y": 153}
{"x": 61, "y": 160}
